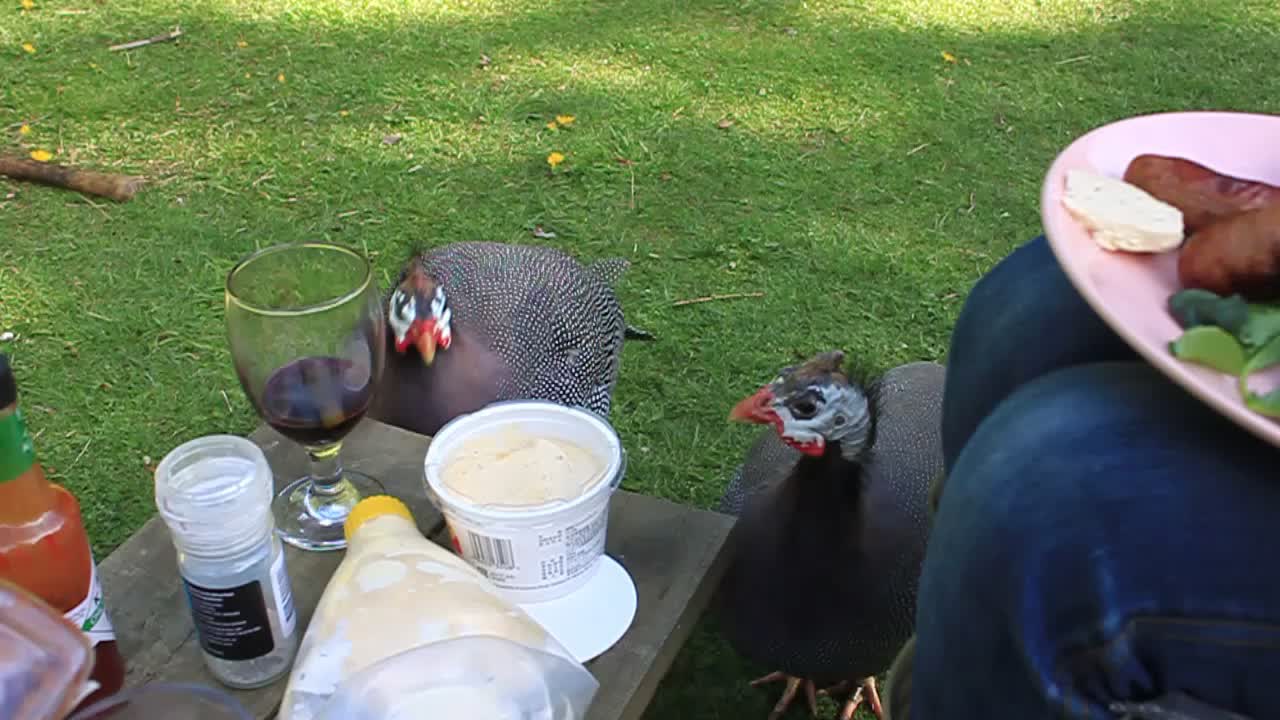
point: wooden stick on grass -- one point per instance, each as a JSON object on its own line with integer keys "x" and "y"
{"x": 120, "y": 188}
{"x": 164, "y": 37}
{"x": 713, "y": 298}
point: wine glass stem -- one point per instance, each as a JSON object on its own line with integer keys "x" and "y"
{"x": 326, "y": 469}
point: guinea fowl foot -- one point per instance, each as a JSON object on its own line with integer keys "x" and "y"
{"x": 866, "y": 692}
{"x": 789, "y": 694}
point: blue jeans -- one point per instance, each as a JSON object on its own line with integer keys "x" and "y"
{"x": 1102, "y": 535}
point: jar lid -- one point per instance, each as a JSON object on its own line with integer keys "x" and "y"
{"x": 214, "y": 493}
{"x": 8, "y": 386}
{"x": 372, "y": 507}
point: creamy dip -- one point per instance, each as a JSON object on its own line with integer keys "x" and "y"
{"x": 514, "y": 467}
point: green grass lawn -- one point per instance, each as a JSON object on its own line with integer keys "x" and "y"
{"x": 858, "y": 163}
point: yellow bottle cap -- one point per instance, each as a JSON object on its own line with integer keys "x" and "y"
{"x": 372, "y": 507}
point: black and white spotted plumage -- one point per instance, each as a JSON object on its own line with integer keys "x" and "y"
{"x": 527, "y": 322}
{"x": 828, "y": 551}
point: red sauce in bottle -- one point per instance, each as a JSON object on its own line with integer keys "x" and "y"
{"x": 43, "y": 545}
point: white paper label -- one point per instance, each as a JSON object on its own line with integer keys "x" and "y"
{"x": 91, "y": 614}
{"x": 535, "y": 560}
{"x": 90, "y": 686}
{"x": 283, "y": 592}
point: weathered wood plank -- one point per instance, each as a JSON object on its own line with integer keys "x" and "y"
{"x": 149, "y": 608}
{"x": 675, "y": 554}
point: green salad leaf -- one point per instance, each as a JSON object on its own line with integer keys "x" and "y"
{"x": 1231, "y": 336}
{"x": 1268, "y": 356}
{"x": 1261, "y": 327}
{"x": 1194, "y": 307}
{"x": 1212, "y": 347}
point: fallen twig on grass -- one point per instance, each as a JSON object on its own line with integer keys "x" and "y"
{"x": 106, "y": 185}
{"x": 713, "y": 298}
{"x": 166, "y": 37}
{"x": 109, "y": 185}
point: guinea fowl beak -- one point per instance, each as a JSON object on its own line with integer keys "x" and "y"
{"x": 756, "y": 408}
{"x": 426, "y": 344}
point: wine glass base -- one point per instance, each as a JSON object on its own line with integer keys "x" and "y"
{"x": 313, "y": 520}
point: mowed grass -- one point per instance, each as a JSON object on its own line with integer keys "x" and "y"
{"x": 853, "y": 167}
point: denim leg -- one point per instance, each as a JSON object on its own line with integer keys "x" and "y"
{"x": 1021, "y": 320}
{"x": 1105, "y": 537}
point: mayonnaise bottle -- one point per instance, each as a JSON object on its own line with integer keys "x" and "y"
{"x": 396, "y": 602}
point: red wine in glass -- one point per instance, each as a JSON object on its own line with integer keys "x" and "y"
{"x": 316, "y": 401}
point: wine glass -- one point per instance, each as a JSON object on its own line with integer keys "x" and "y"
{"x": 307, "y": 335}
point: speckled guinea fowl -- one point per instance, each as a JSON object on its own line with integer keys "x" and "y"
{"x": 833, "y": 520}
{"x": 476, "y": 322}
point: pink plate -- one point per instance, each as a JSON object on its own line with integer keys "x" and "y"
{"x": 1130, "y": 291}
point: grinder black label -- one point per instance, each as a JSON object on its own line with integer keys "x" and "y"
{"x": 232, "y": 622}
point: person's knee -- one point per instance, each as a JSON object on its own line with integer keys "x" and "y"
{"x": 1015, "y": 520}
{"x": 1001, "y": 297}
{"x": 1038, "y": 453}
{"x": 1065, "y": 517}
{"x": 1077, "y": 457}
{"x": 1021, "y": 320}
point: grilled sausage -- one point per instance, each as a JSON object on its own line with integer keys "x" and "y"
{"x": 1203, "y": 196}
{"x": 1240, "y": 254}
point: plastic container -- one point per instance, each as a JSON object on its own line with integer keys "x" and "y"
{"x": 546, "y": 551}
{"x": 166, "y": 701}
{"x": 477, "y": 677}
{"x": 45, "y": 661}
{"x": 396, "y": 591}
{"x": 214, "y": 494}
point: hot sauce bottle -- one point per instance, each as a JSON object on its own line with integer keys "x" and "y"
{"x": 43, "y": 545}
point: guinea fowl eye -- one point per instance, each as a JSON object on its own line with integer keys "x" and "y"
{"x": 839, "y": 420}
{"x": 804, "y": 409}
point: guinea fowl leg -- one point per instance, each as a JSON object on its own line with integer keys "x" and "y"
{"x": 789, "y": 694}
{"x": 866, "y": 692}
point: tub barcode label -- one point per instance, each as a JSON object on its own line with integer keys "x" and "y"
{"x": 491, "y": 551}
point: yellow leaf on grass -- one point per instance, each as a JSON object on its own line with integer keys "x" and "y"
{"x": 24, "y": 130}
{"x": 28, "y": 48}
{"x": 280, "y": 77}
{"x": 948, "y": 57}
{"x": 27, "y": 4}
{"x": 241, "y": 44}
{"x": 555, "y": 159}
{"x": 41, "y": 155}
{"x": 344, "y": 113}
{"x": 565, "y": 120}
{"x": 552, "y": 125}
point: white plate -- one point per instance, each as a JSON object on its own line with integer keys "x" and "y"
{"x": 589, "y": 620}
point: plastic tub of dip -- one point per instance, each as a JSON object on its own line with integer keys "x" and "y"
{"x": 532, "y": 552}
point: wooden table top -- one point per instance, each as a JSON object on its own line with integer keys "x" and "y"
{"x": 675, "y": 554}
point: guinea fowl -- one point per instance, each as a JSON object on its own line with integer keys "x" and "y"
{"x": 832, "y": 524}
{"x": 477, "y": 322}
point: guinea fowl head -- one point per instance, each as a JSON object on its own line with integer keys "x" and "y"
{"x": 813, "y": 406}
{"x": 419, "y": 314}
